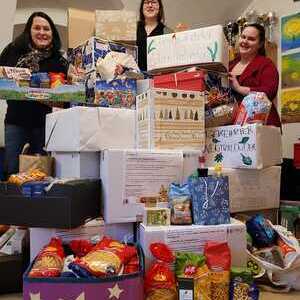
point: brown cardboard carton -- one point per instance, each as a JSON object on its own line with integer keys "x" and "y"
{"x": 81, "y": 26}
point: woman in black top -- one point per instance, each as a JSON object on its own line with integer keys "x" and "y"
{"x": 37, "y": 48}
{"x": 150, "y": 24}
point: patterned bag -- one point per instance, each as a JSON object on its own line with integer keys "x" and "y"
{"x": 210, "y": 200}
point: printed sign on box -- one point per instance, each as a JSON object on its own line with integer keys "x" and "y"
{"x": 252, "y": 147}
{"x": 170, "y": 119}
{"x": 205, "y": 46}
{"x": 129, "y": 177}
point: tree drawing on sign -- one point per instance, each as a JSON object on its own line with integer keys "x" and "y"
{"x": 191, "y": 115}
{"x": 196, "y": 118}
{"x": 161, "y": 115}
{"x": 185, "y": 115}
{"x": 219, "y": 158}
{"x": 177, "y": 114}
{"x": 170, "y": 115}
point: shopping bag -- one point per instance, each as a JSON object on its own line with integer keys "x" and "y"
{"x": 27, "y": 162}
{"x": 210, "y": 200}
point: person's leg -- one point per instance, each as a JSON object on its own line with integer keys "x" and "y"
{"x": 37, "y": 140}
{"x": 15, "y": 139}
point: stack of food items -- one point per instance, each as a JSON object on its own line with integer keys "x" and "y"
{"x": 207, "y": 276}
{"x": 106, "y": 258}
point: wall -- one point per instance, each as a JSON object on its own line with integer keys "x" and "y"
{"x": 291, "y": 132}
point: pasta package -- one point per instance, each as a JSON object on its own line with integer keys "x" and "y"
{"x": 107, "y": 257}
{"x": 218, "y": 260}
{"x": 160, "y": 281}
{"x": 192, "y": 265}
{"x": 242, "y": 286}
{"x": 50, "y": 260}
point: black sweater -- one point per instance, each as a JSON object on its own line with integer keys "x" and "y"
{"x": 29, "y": 114}
{"x": 141, "y": 41}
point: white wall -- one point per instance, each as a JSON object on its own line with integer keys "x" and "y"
{"x": 291, "y": 132}
{"x": 8, "y": 9}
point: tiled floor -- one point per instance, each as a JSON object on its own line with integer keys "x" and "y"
{"x": 264, "y": 296}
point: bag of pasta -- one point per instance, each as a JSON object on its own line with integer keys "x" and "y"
{"x": 218, "y": 260}
{"x": 50, "y": 260}
{"x": 160, "y": 283}
{"x": 242, "y": 285}
{"x": 192, "y": 265}
{"x": 107, "y": 257}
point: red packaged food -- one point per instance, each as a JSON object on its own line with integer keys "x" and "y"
{"x": 107, "y": 257}
{"x": 50, "y": 260}
{"x": 160, "y": 277}
{"x": 56, "y": 79}
{"x": 81, "y": 247}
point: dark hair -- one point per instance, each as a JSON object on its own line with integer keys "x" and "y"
{"x": 24, "y": 39}
{"x": 160, "y": 16}
{"x": 261, "y": 35}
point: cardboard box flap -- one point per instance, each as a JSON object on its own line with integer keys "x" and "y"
{"x": 81, "y": 26}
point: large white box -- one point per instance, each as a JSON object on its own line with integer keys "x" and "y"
{"x": 116, "y": 25}
{"x": 90, "y": 129}
{"x": 193, "y": 238}
{"x": 39, "y": 237}
{"x": 128, "y": 175}
{"x": 249, "y": 189}
{"x": 253, "y": 189}
{"x": 170, "y": 119}
{"x": 205, "y": 46}
{"x": 77, "y": 164}
{"x": 252, "y": 146}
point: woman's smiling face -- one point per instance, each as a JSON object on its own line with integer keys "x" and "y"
{"x": 41, "y": 33}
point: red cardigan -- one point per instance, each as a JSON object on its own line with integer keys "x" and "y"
{"x": 261, "y": 75}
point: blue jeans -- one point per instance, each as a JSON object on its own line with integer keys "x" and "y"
{"x": 15, "y": 139}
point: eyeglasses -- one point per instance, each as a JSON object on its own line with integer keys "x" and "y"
{"x": 152, "y": 2}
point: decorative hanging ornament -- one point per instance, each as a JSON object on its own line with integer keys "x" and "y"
{"x": 271, "y": 20}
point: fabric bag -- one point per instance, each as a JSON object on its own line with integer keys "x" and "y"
{"x": 210, "y": 200}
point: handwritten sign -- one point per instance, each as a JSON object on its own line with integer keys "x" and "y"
{"x": 198, "y": 46}
{"x": 252, "y": 147}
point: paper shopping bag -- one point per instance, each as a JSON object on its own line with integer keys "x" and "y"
{"x": 210, "y": 200}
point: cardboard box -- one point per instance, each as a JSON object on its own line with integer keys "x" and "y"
{"x": 81, "y": 26}
{"x": 95, "y": 48}
{"x": 118, "y": 93}
{"x": 205, "y": 46}
{"x": 82, "y": 129}
{"x": 126, "y": 287}
{"x": 253, "y": 189}
{"x": 251, "y": 147}
{"x": 65, "y": 205}
{"x": 249, "y": 189}
{"x": 116, "y": 25}
{"x": 129, "y": 175}
{"x": 39, "y": 237}
{"x": 77, "y": 164}
{"x": 170, "y": 119}
{"x": 10, "y": 89}
{"x": 193, "y": 238}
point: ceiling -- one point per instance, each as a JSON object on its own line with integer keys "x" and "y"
{"x": 194, "y": 13}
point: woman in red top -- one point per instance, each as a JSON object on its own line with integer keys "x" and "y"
{"x": 252, "y": 71}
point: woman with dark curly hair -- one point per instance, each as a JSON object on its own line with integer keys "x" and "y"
{"x": 151, "y": 23}
{"x": 37, "y": 48}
